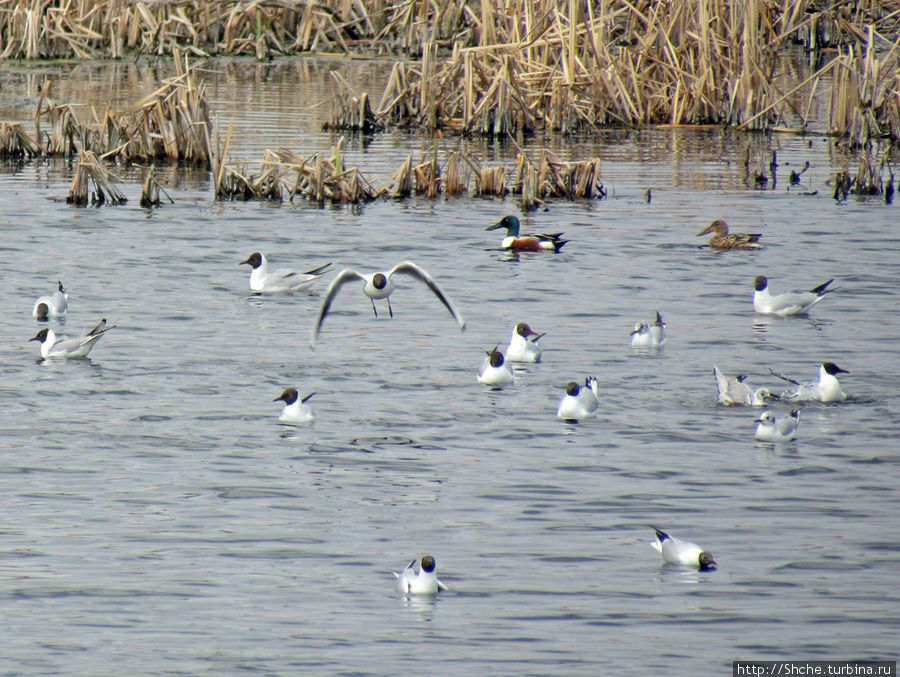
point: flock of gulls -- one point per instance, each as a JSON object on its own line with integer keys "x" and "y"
{"x": 579, "y": 402}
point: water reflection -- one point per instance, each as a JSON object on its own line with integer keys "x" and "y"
{"x": 424, "y": 606}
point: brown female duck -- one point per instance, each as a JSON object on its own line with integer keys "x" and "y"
{"x": 722, "y": 239}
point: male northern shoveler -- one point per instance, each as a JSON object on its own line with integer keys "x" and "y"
{"x": 722, "y": 239}
{"x": 526, "y": 243}
{"x": 787, "y": 303}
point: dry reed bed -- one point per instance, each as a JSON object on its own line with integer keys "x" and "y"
{"x": 85, "y": 29}
{"x": 171, "y": 124}
{"x": 286, "y": 175}
{"x": 705, "y": 63}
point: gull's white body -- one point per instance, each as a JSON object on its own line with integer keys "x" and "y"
{"x": 296, "y": 411}
{"x": 675, "y": 551}
{"x": 375, "y": 292}
{"x": 521, "y": 348}
{"x": 496, "y": 375}
{"x": 649, "y": 334}
{"x": 581, "y": 403}
{"x": 56, "y": 304}
{"x": 53, "y": 346}
{"x": 769, "y": 428}
{"x": 826, "y": 389}
{"x": 423, "y": 582}
{"x": 788, "y": 303}
{"x": 733, "y": 391}
{"x": 282, "y": 280}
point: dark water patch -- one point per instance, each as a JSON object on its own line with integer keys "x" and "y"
{"x": 806, "y": 470}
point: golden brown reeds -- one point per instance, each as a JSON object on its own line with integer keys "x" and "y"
{"x": 350, "y": 111}
{"x": 15, "y": 142}
{"x": 491, "y": 181}
{"x": 554, "y": 178}
{"x": 90, "y": 172}
{"x": 151, "y": 190}
{"x": 171, "y": 124}
{"x": 865, "y": 96}
{"x": 285, "y": 174}
{"x": 456, "y": 181}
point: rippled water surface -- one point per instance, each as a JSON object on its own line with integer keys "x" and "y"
{"x": 157, "y": 519}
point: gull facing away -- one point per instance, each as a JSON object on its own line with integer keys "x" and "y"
{"x": 722, "y": 239}
{"x": 54, "y": 305}
{"x": 521, "y": 348}
{"x": 379, "y": 286}
{"x": 788, "y": 303}
{"x": 770, "y": 428}
{"x": 538, "y": 242}
{"x": 62, "y": 346}
{"x": 282, "y": 280}
{"x": 649, "y": 334}
{"x": 425, "y": 582}
{"x": 295, "y": 411}
{"x": 495, "y": 372}
{"x": 579, "y": 401}
{"x": 826, "y": 389}
{"x": 733, "y": 391}
{"x": 674, "y": 551}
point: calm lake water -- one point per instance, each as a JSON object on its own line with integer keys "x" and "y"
{"x": 158, "y": 520}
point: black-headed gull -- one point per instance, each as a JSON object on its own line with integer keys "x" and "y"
{"x": 295, "y": 411}
{"x": 649, "y": 333}
{"x": 54, "y": 305}
{"x": 788, "y": 303}
{"x": 733, "y": 391}
{"x": 495, "y": 372}
{"x": 522, "y": 348}
{"x": 425, "y": 582}
{"x": 379, "y": 286}
{"x": 826, "y": 389}
{"x": 61, "y": 346}
{"x": 770, "y": 428}
{"x": 282, "y": 280}
{"x": 579, "y": 401}
{"x": 675, "y": 551}
{"x": 722, "y": 239}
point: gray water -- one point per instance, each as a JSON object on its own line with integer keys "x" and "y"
{"x": 158, "y": 520}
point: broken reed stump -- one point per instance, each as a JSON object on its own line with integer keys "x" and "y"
{"x": 151, "y": 190}
{"x": 89, "y": 171}
{"x": 15, "y": 142}
{"x": 869, "y": 179}
{"x": 350, "y": 111}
